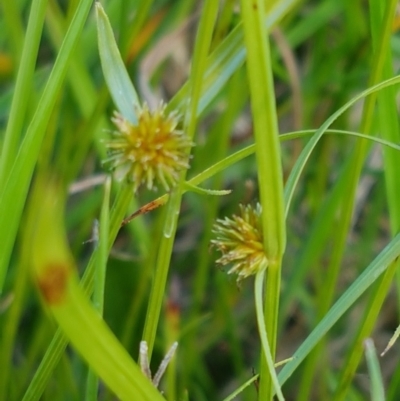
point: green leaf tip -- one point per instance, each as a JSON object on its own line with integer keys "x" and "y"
{"x": 203, "y": 191}
{"x": 115, "y": 73}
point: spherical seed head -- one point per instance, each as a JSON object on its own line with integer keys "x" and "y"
{"x": 151, "y": 152}
{"x": 240, "y": 241}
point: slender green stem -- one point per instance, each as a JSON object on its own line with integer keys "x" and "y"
{"x": 377, "y": 387}
{"x": 161, "y": 271}
{"x": 267, "y": 352}
{"x": 217, "y": 149}
{"x": 100, "y": 277}
{"x": 202, "y": 46}
{"x": 102, "y": 256}
{"x": 241, "y": 388}
{"x": 271, "y": 309}
{"x": 270, "y": 179}
{"x": 265, "y": 128}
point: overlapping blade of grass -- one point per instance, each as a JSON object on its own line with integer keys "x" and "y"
{"x": 382, "y": 15}
{"x": 91, "y": 103}
{"x": 381, "y": 29}
{"x": 215, "y": 170}
{"x": 305, "y": 154}
{"x": 100, "y": 277}
{"x": 15, "y": 190}
{"x": 215, "y": 149}
{"x": 22, "y": 91}
{"x": 122, "y": 201}
{"x": 349, "y": 182}
{"x": 226, "y": 59}
{"x": 248, "y": 151}
{"x": 379, "y": 265}
{"x": 293, "y": 178}
{"x": 198, "y": 67}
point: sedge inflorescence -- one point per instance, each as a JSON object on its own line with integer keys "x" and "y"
{"x": 152, "y": 151}
{"x": 240, "y": 240}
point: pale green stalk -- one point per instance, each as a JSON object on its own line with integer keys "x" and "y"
{"x": 202, "y": 46}
{"x": 258, "y": 294}
{"x": 269, "y": 168}
{"x": 100, "y": 277}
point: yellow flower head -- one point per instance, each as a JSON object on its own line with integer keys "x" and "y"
{"x": 152, "y": 151}
{"x": 240, "y": 241}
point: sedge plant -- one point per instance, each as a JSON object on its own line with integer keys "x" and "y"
{"x": 263, "y": 140}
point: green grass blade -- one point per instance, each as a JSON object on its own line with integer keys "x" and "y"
{"x": 226, "y": 59}
{"x": 114, "y": 70}
{"x": 258, "y": 295}
{"x": 202, "y": 45}
{"x": 388, "y": 120}
{"x": 23, "y": 88}
{"x": 363, "y": 282}
{"x": 382, "y": 15}
{"x": 265, "y": 129}
{"x": 15, "y": 190}
{"x": 305, "y": 154}
{"x": 270, "y": 177}
{"x": 57, "y": 282}
{"x": 100, "y": 277}
{"x": 59, "y": 341}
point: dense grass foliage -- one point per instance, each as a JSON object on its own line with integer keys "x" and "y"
{"x": 147, "y": 148}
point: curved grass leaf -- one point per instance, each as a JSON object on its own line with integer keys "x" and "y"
{"x": 306, "y": 153}
{"x": 203, "y": 191}
{"x": 364, "y": 281}
{"x": 242, "y": 154}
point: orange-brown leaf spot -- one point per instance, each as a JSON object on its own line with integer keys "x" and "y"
{"x": 53, "y": 283}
